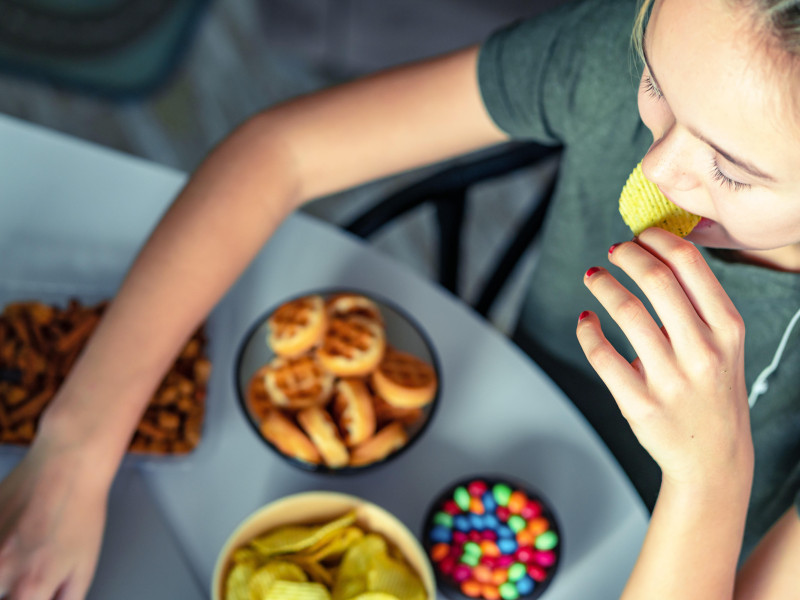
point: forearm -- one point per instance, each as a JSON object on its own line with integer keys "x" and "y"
{"x": 692, "y": 545}
{"x": 228, "y": 209}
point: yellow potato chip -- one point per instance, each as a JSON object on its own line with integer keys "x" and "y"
{"x": 237, "y": 585}
{"x": 278, "y": 570}
{"x": 290, "y": 590}
{"x": 393, "y": 577}
{"x": 313, "y": 569}
{"x": 335, "y": 545}
{"x": 294, "y": 538}
{"x": 642, "y": 205}
{"x": 351, "y": 578}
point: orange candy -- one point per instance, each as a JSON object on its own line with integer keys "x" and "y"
{"x": 517, "y": 501}
{"x": 471, "y": 588}
{"x": 538, "y": 526}
{"x": 490, "y": 592}
{"x": 525, "y": 538}
{"x": 499, "y": 576}
{"x": 482, "y": 573}
{"x": 439, "y": 551}
{"x": 489, "y": 548}
{"x": 476, "y": 506}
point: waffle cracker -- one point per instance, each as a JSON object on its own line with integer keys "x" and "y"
{"x": 642, "y": 205}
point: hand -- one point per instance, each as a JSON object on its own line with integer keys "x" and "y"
{"x": 684, "y": 395}
{"x": 52, "y": 514}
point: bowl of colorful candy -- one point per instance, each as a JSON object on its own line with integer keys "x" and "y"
{"x": 492, "y": 538}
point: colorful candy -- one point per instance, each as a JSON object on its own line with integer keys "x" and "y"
{"x": 492, "y": 541}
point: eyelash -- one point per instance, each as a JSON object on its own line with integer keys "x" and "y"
{"x": 726, "y": 181}
{"x": 651, "y": 90}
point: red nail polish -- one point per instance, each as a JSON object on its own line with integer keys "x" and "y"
{"x": 592, "y": 271}
{"x": 583, "y": 315}
{"x": 610, "y": 250}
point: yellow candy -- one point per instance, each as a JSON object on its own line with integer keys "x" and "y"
{"x": 642, "y": 205}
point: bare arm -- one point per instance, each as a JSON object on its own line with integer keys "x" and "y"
{"x": 770, "y": 572}
{"x": 52, "y": 505}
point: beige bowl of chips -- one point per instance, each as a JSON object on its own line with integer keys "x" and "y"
{"x": 328, "y": 512}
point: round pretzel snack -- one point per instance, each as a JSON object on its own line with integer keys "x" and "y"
{"x": 297, "y": 383}
{"x": 319, "y": 426}
{"x": 353, "y": 408}
{"x": 288, "y": 438}
{"x": 404, "y": 380}
{"x": 353, "y": 346}
{"x": 379, "y": 446}
{"x": 297, "y": 325}
{"x": 353, "y": 304}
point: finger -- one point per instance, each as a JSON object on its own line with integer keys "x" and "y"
{"x": 623, "y": 380}
{"x": 630, "y": 314}
{"x": 36, "y": 584}
{"x": 690, "y": 269}
{"x": 664, "y": 291}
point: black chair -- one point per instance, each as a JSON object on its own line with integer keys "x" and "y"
{"x": 447, "y": 191}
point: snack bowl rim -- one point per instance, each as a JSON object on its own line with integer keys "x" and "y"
{"x": 322, "y": 468}
{"x": 316, "y": 506}
{"x": 444, "y": 583}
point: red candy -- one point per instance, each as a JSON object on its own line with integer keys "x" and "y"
{"x": 505, "y": 560}
{"x": 462, "y": 573}
{"x": 546, "y": 558}
{"x": 503, "y": 513}
{"x": 447, "y": 565}
{"x": 489, "y": 561}
{"x": 537, "y": 573}
{"x": 459, "y": 537}
{"x": 474, "y": 536}
{"x": 524, "y": 554}
{"x": 451, "y": 507}
{"x": 531, "y": 510}
{"x": 489, "y": 534}
{"x": 477, "y": 488}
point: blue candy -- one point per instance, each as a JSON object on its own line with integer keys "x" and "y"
{"x": 525, "y": 585}
{"x": 504, "y": 531}
{"x": 507, "y": 545}
{"x": 489, "y": 503}
{"x": 441, "y": 534}
{"x": 461, "y": 523}
{"x": 491, "y": 522}
{"x": 477, "y": 522}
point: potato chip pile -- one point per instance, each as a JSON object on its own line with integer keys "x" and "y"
{"x": 336, "y": 560}
{"x": 39, "y": 343}
{"x": 337, "y": 393}
{"x": 642, "y": 205}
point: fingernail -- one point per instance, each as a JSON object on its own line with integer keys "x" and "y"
{"x": 610, "y": 250}
{"x": 592, "y": 271}
{"x": 583, "y": 315}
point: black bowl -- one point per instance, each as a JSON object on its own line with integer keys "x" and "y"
{"x": 402, "y": 333}
{"x": 472, "y": 537}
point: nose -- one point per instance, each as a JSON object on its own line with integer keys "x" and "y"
{"x": 668, "y": 161}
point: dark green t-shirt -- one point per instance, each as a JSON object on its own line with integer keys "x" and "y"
{"x": 570, "y": 78}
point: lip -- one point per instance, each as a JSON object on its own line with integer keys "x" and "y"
{"x": 703, "y": 224}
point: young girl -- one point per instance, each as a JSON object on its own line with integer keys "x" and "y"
{"x": 720, "y": 135}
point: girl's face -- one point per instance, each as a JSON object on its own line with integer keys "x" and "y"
{"x": 726, "y": 146}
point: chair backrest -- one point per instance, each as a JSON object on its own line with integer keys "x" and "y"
{"x": 447, "y": 191}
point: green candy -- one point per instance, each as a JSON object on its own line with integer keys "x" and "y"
{"x": 470, "y": 559}
{"x": 443, "y": 518}
{"x": 546, "y": 541}
{"x": 472, "y": 548}
{"x": 516, "y": 572}
{"x": 508, "y": 591}
{"x": 517, "y": 523}
{"x": 462, "y": 498}
{"x": 501, "y": 493}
